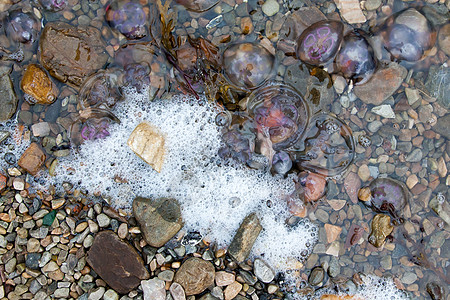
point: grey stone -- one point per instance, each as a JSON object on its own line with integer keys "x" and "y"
{"x": 96, "y": 294}
{"x": 415, "y": 156}
{"x": 166, "y": 275}
{"x": 438, "y": 84}
{"x": 263, "y": 271}
{"x": 177, "y": 291}
{"x": 245, "y": 237}
{"x": 442, "y": 126}
{"x": 160, "y": 219}
{"x": 8, "y": 98}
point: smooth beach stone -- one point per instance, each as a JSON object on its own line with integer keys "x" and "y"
{"x": 245, "y": 237}
{"x": 381, "y": 228}
{"x": 116, "y": 262}
{"x": 70, "y": 53}
{"x": 32, "y": 159}
{"x": 37, "y": 84}
{"x": 8, "y": 97}
{"x": 319, "y": 43}
{"x": 22, "y": 27}
{"x": 198, "y": 5}
{"x": 280, "y": 112}
{"x": 160, "y": 219}
{"x": 128, "y": 17}
{"x": 356, "y": 59}
{"x": 195, "y": 275}
{"x": 408, "y": 35}
{"x": 248, "y": 65}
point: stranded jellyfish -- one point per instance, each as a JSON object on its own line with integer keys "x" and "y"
{"x": 53, "y": 5}
{"x": 385, "y": 195}
{"x": 356, "y": 59}
{"x": 92, "y": 124}
{"x": 198, "y": 5}
{"x": 239, "y": 138}
{"x": 101, "y": 90}
{"x": 319, "y": 43}
{"x": 128, "y": 17}
{"x": 22, "y": 27}
{"x": 280, "y": 113}
{"x": 137, "y": 76}
{"x": 328, "y": 148}
{"x": 311, "y": 186}
{"x": 408, "y": 35}
{"x": 248, "y": 65}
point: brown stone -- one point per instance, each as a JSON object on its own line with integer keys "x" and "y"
{"x": 245, "y": 237}
{"x": 381, "y": 228}
{"x": 333, "y": 232}
{"x": 195, "y": 275}
{"x": 232, "y": 290}
{"x": 36, "y": 83}
{"x": 32, "y": 159}
{"x": 382, "y": 84}
{"x": 148, "y": 143}
{"x": 70, "y": 53}
{"x": 116, "y": 262}
{"x": 3, "y": 181}
{"x": 351, "y": 11}
{"x": 160, "y": 219}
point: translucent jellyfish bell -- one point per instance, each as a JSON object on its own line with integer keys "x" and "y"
{"x": 128, "y": 17}
{"x": 356, "y": 59}
{"x": 328, "y": 148}
{"x": 408, "y": 35}
{"x": 280, "y": 112}
{"x": 101, "y": 90}
{"x": 22, "y": 27}
{"x": 248, "y": 65}
{"x": 319, "y": 43}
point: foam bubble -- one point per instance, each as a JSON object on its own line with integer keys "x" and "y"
{"x": 16, "y": 143}
{"x": 215, "y": 198}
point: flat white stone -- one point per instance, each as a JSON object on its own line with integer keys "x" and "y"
{"x": 351, "y": 11}
{"x": 154, "y": 289}
{"x": 384, "y": 110}
{"x": 148, "y": 143}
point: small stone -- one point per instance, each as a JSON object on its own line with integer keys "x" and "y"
{"x": 333, "y": 249}
{"x": 8, "y": 98}
{"x": 441, "y": 167}
{"x": 316, "y": 276}
{"x": 51, "y": 266}
{"x": 32, "y": 260}
{"x": 245, "y": 237}
{"x": 122, "y": 232}
{"x": 40, "y": 129}
{"x": 351, "y": 11}
{"x": 386, "y": 262}
{"x": 444, "y": 38}
{"x": 160, "y": 219}
{"x": 263, "y": 271}
{"x": 116, "y": 262}
{"x": 32, "y": 159}
{"x": 58, "y": 203}
{"x": 96, "y": 294}
{"x": 381, "y": 228}
{"x": 166, "y": 275}
{"x": 177, "y": 291}
{"x": 148, "y": 143}
{"x": 81, "y": 227}
{"x": 33, "y": 245}
{"x": 110, "y": 295}
{"x": 415, "y": 156}
{"x": 412, "y": 181}
{"x": 270, "y": 7}
{"x": 195, "y": 275}
{"x": 409, "y": 278}
{"x": 382, "y": 84}
{"x": 364, "y": 172}
{"x": 224, "y": 278}
{"x": 333, "y": 232}
{"x": 336, "y": 204}
{"x": 36, "y": 83}
{"x": 232, "y": 290}
{"x": 19, "y": 184}
{"x": 413, "y": 95}
{"x": 384, "y": 110}
{"x": 103, "y": 220}
{"x": 61, "y": 293}
{"x": 372, "y": 4}
{"x": 154, "y": 289}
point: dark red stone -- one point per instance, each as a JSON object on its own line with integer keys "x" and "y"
{"x": 116, "y": 262}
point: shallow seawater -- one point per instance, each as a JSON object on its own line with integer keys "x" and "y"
{"x": 401, "y": 137}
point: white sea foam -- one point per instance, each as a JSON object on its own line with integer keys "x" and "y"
{"x": 16, "y": 143}
{"x": 191, "y": 174}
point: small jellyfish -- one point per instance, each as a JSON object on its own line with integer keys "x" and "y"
{"x": 101, "y": 90}
{"x": 328, "y": 148}
{"x": 385, "y": 195}
{"x": 92, "y": 124}
{"x": 311, "y": 186}
{"x": 408, "y": 35}
{"x": 248, "y": 65}
{"x": 319, "y": 43}
{"x": 281, "y": 163}
{"x": 280, "y": 112}
{"x": 198, "y": 5}
{"x": 137, "y": 76}
{"x": 128, "y": 17}
{"x": 53, "y": 5}
{"x": 356, "y": 59}
{"x": 22, "y": 27}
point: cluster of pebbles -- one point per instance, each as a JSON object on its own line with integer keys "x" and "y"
{"x": 402, "y": 114}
